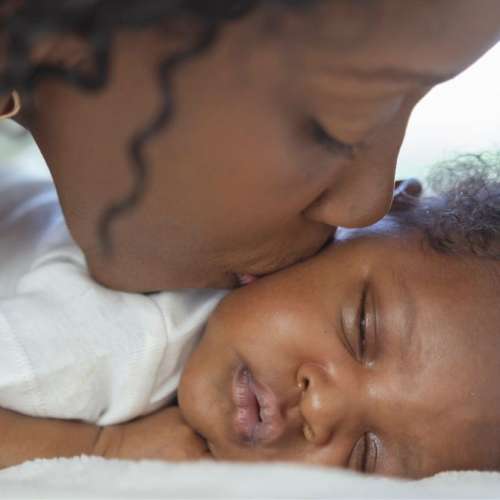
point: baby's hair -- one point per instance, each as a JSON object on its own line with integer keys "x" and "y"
{"x": 97, "y": 22}
{"x": 462, "y": 215}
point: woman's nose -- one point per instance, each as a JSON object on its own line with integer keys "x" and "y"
{"x": 358, "y": 203}
{"x": 323, "y": 404}
{"x": 362, "y": 193}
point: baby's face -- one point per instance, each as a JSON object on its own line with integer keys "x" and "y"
{"x": 377, "y": 355}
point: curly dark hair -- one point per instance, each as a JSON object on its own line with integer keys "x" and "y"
{"x": 462, "y": 216}
{"x": 96, "y": 22}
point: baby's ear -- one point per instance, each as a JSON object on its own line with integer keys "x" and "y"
{"x": 406, "y": 194}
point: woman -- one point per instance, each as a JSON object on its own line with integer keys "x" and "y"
{"x": 199, "y": 144}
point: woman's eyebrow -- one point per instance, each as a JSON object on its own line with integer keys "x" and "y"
{"x": 398, "y": 75}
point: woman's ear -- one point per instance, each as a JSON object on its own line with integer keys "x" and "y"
{"x": 406, "y": 194}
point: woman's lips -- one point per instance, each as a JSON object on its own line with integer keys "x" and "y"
{"x": 257, "y": 417}
{"x": 246, "y": 279}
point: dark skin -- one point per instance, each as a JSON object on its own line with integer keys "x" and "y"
{"x": 420, "y": 397}
{"x": 407, "y": 388}
{"x": 164, "y": 435}
{"x": 288, "y": 127}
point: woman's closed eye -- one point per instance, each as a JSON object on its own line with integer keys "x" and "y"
{"x": 322, "y": 137}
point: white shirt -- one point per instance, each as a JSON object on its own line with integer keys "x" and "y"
{"x": 70, "y": 348}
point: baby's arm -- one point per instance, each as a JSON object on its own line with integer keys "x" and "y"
{"x": 163, "y": 435}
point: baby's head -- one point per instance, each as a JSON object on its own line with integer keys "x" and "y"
{"x": 381, "y": 354}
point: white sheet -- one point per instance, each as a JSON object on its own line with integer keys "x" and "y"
{"x": 96, "y": 478}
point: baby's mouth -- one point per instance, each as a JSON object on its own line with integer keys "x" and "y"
{"x": 257, "y": 418}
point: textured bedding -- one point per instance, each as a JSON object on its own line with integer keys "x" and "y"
{"x": 95, "y": 478}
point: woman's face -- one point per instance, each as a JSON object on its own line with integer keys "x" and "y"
{"x": 374, "y": 355}
{"x": 289, "y": 126}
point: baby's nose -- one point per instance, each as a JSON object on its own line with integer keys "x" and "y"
{"x": 323, "y": 405}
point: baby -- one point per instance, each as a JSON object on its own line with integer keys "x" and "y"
{"x": 380, "y": 354}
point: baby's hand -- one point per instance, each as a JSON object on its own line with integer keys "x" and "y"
{"x": 164, "y": 435}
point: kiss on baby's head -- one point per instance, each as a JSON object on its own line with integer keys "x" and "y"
{"x": 381, "y": 354}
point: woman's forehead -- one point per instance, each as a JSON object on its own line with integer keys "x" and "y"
{"x": 390, "y": 40}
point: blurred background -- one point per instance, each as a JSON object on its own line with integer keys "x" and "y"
{"x": 459, "y": 116}
{"x": 462, "y": 115}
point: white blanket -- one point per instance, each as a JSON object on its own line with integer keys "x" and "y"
{"x": 96, "y": 478}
